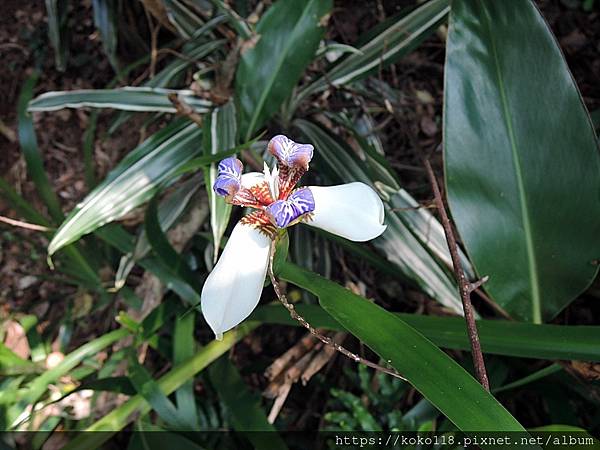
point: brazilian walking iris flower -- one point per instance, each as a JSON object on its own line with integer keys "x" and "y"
{"x": 353, "y": 211}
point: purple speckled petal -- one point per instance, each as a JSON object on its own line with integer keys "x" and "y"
{"x": 229, "y": 180}
{"x": 290, "y": 153}
{"x": 285, "y": 212}
{"x": 231, "y": 166}
{"x": 226, "y": 185}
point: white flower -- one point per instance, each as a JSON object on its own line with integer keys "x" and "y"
{"x": 233, "y": 288}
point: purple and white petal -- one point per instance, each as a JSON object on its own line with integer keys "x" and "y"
{"x": 231, "y": 166}
{"x": 286, "y": 212}
{"x": 229, "y": 178}
{"x": 290, "y": 153}
{"x": 232, "y": 290}
{"x": 353, "y": 211}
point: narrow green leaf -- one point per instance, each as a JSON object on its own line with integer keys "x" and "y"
{"x": 163, "y": 249}
{"x": 40, "y": 384}
{"x": 22, "y": 206}
{"x": 117, "y": 419}
{"x": 152, "y": 437}
{"x": 12, "y": 364}
{"x": 106, "y": 21}
{"x": 183, "y": 16}
{"x": 238, "y": 23}
{"x": 57, "y": 31}
{"x": 289, "y": 35}
{"x": 392, "y": 43}
{"x": 170, "y": 210}
{"x": 126, "y": 98}
{"x": 120, "y": 239}
{"x": 31, "y": 152}
{"x": 121, "y": 384}
{"x": 433, "y": 373}
{"x": 522, "y": 161}
{"x": 184, "y": 347}
{"x": 243, "y": 406}
{"x": 549, "y": 370}
{"x": 205, "y": 161}
{"x": 150, "y": 390}
{"x": 194, "y": 50}
{"x": 500, "y": 337}
{"x": 220, "y": 130}
{"x": 132, "y": 182}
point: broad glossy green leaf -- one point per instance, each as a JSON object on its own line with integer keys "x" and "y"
{"x": 399, "y": 243}
{"x": 522, "y": 161}
{"x": 120, "y": 417}
{"x": 289, "y": 35}
{"x": 433, "y": 373}
{"x": 243, "y": 406}
{"x": 132, "y": 182}
{"x": 128, "y": 99}
{"x": 500, "y": 337}
{"x": 220, "y": 130}
{"x": 393, "y": 42}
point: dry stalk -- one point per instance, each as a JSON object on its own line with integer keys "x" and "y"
{"x": 324, "y": 339}
{"x": 465, "y": 286}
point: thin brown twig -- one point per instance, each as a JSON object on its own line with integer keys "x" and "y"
{"x": 324, "y": 339}
{"x": 20, "y": 224}
{"x": 183, "y": 109}
{"x": 465, "y": 286}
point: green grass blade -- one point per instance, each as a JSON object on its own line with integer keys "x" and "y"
{"x": 392, "y": 43}
{"x": 122, "y": 416}
{"x": 243, "y": 406}
{"x": 184, "y": 347}
{"x": 105, "y": 19}
{"x": 36, "y": 388}
{"x": 163, "y": 249}
{"x": 150, "y": 390}
{"x": 57, "y": 31}
{"x": 31, "y": 152}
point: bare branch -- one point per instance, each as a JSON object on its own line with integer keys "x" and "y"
{"x": 465, "y": 286}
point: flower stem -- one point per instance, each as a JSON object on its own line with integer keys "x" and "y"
{"x": 325, "y": 339}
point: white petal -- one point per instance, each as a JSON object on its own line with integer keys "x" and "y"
{"x": 353, "y": 211}
{"x": 251, "y": 179}
{"x": 232, "y": 290}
